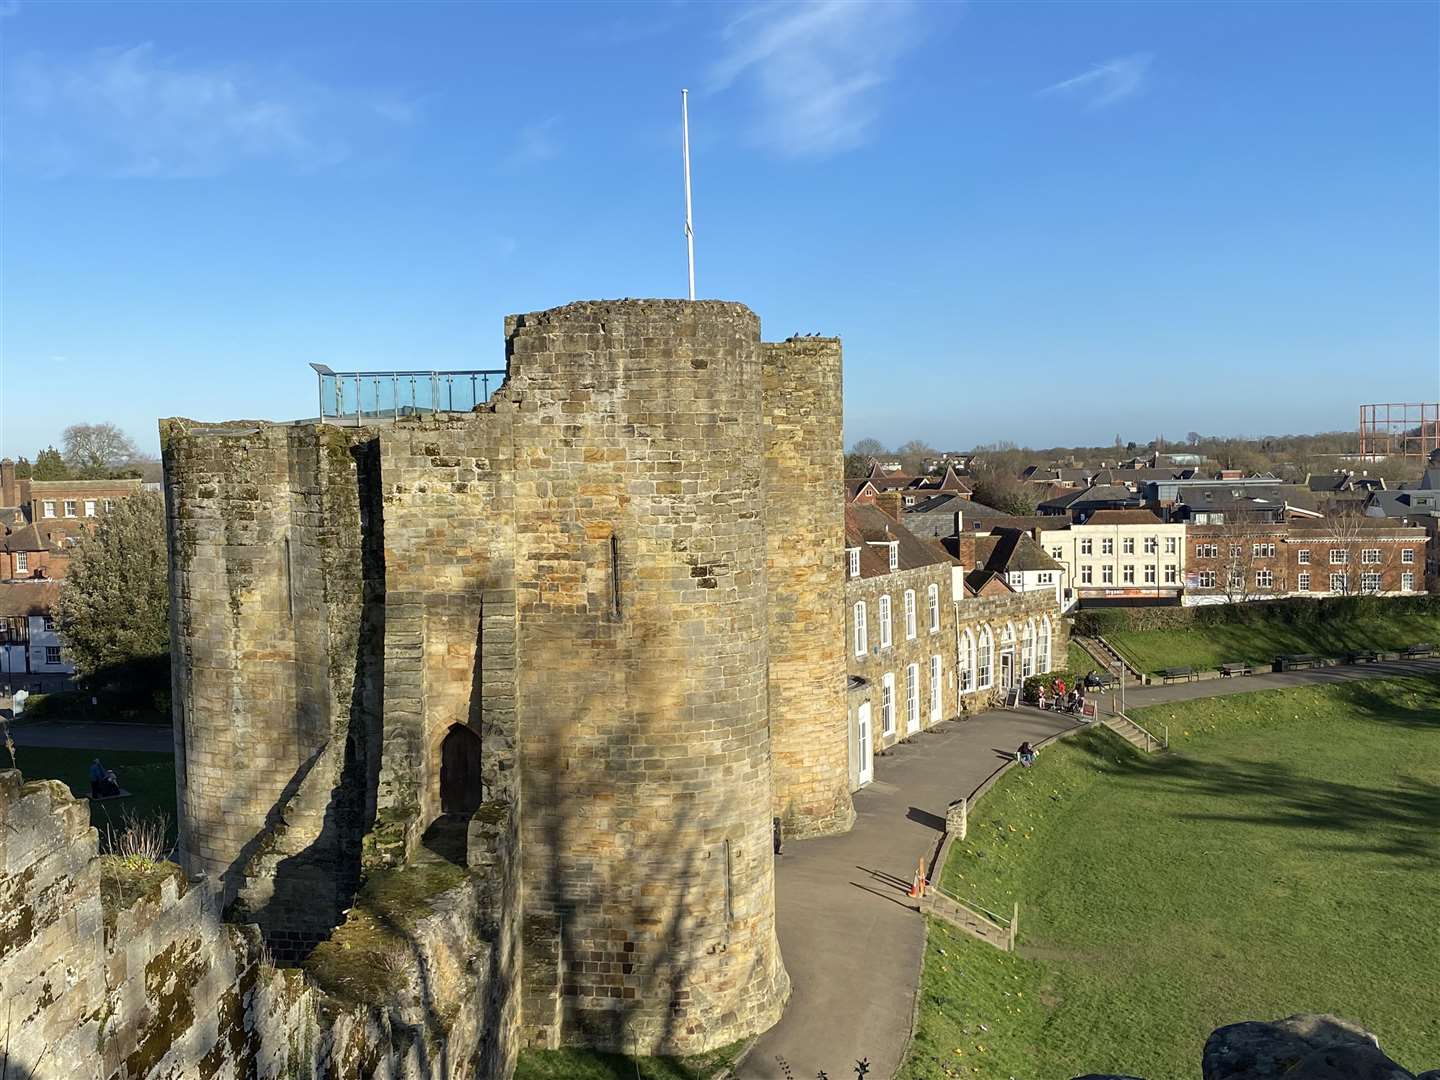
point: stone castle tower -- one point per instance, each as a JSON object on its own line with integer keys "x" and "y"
{"x": 597, "y": 622}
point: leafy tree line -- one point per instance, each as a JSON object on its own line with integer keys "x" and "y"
{"x": 91, "y": 452}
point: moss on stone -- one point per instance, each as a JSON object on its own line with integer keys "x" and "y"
{"x": 124, "y": 881}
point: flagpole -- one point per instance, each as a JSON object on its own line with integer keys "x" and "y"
{"x": 685, "y": 142}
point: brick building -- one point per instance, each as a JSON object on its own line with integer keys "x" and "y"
{"x": 30, "y": 653}
{"x": 1258, "y": 559}
{"x": 41, "y": 519}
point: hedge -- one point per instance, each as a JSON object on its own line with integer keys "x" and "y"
{"x": 1291, "y": 611}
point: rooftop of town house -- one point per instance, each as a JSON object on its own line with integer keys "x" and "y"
{"x": 21, "y": 598}
{"x": 871, "y": 530}
{"x": 1098, "y": 494}
{"x": 44, "y": 535}
{"x": 1123, "y": 517}
{"x": 1011, "y": 550}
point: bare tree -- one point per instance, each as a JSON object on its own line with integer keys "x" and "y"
{"x": 94, "y": 451}
{"x": 1359, "y": 558}
{"x": 869, "y": 448}
{"x": 1247, "y": 551}
{"x": 914, "y": 455}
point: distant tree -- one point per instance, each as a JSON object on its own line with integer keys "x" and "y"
{"x": 869, "y": 448}
{"x": 96, "y": 451}
{"x": 856, "y": 465}
{"x": 915, "y": 455}
{"x": 996, "y": 480}
{"x": 1193, "y": 438}
{"x": 23, "y": 469}
{"x": 1119, "y": 442}
{"x": 114, "y": 609}
{"x": 49, "y": 465}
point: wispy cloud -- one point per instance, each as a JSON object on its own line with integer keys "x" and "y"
{"x": 1107, "y": 83}
{"x": 815, "y": 69}
{"x": 535, "y": 143}
{"x": 137, "y": 112}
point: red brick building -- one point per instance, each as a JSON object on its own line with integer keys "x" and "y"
{"x": 40, "y": 520}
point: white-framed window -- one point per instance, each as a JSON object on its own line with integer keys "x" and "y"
{"x": 862, "y": 631}
{"x": 1339, "y": 582}
{"x": 1407, "y": 582}
{"x": 1027, "y": 650}
{"x": 887, "y": 703}
{"x": 1172, "y": 574}
{"x": 1303, "y": 556}
{"x": 1339, "y": 556}
{"x": 909, "y": 614}
{"x": 1107, "y": 574}
{"x": 1152, "y": 545}
{"x": 108, "y": 504}
{"x": 894, "y": 555}
{"x": 52, "y": 654}
{"x": 1042, "y": 659}
{"x": 1302, "y": 583}
{"x": 966, "y": 674}
{"x": 1107, "y": 545}
{"x": 1205, "y": 579}
{"x": 1207, "y": 551}
{"x": 47, "y": 508}
{"x": 985, "y": 662}
{"x": 853, "y": 555}
{"x": 1370, "y": 583}
{"x": 48, "y": 622}
{"x": 1128, "y": 545}
{"x": 885, "y": 622}
{"x": 1264, "y": 579}
{"x": 1045, "y": 577}
{"x": 1127, "y": 573}
{"x": 89, "y": 507}
{"x": 1370, "y": 556}
{"x": 1235, "y": 550}
{"x": 1262, "y": 551}
{"x": 935, "y": 689}
{"x": 912, "y": 696}
{"x": 1087, "y": 547}
{"x": 1172, "y": 545}
{"x": 22, "y": 560}
{"x": 1407, "y": 556}
{"x": 70, "y": 507}
{"x": 1057, "y": 553}
{"x": 1087, "y": 574}
{"x": 932, "y": 600}
{"x": 1149, "y": 573}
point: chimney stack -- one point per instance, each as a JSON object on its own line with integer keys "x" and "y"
{"x": 9, "y": 489}
{"x": 889, "y": 502}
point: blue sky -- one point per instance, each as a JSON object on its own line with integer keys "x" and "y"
{"x": 1040, "y": 222}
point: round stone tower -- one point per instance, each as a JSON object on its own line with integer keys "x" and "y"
{"x": 642, "y": 652}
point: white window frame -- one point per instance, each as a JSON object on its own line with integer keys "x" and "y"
{"x": 1343, "y": 583}
{"x": 47, "y": 508}
{"x": 1043, "y": 662}
{"x": 887, "y": 703}
{"x": 1407, "y": 582}
{"x": 861, "y": 628}
{"x": 885, "y": 627}
{"x": 1172, "y": 545}
{"x": 1339, "y": 557}
{"x": 1303, "y": 556}
{"x": 894, "y": 555}
{"x": 965, "y": 676}
{"x": 936, "y": 690}
{"x": 1407, "y": 556}
{"x": 985, "y": 668}
{"x": 1264, "y": 579}
{"x": 932, "y": 595}
{"x": 1087, "y": 575}
{"x": 1128, "y": 545}
{"x": 1107, "y": 574}
{"x": 1149, "y": 573}
{"x": 1127, "y": 574}
{"x": 853, "y": 557}
{"x": 71, "y": 508}
{"x": 1027, "y": 650}
{"x": 1370, "y": 556}
{"x": 89, "y": 508}
{"x": 52, "y": 655}
{"x": 912, "y": 698}
{"x": 1087, "y": 546}
{"x": 1107, "y": 545}
{"x": 1302, "y": 583}
{"x": 22, "y": 561}
{"x": 910, "y": 629}
{"x": 1152, "y": 545}
{"x": 1172, "y": 574}
{"x": 1370, "y": 582}
{"x": 1205, "y": 579}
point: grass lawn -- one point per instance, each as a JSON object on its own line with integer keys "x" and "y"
{"x": 1281, "y": 858}
{"x": 585, "y": 1065}
{"x": 1211, "y": 646}
{"x": 1077, "y": 659}
{"x": 150, "y": 778}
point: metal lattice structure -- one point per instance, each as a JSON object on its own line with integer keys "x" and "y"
{"x": 1408, "y": 429}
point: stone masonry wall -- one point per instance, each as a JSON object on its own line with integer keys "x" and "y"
{"x": 805, "y": 537}
{"x": 162, "y": 989}
{"x": 1013, "y": 609}
{"x": 641, "y": 609}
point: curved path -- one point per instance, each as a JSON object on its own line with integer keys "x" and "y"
{"x": 851, "y": 940}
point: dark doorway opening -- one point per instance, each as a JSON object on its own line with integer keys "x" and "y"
{"x": 460, "y": 787}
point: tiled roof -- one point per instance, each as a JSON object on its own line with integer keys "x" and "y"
{"x": 18, "y": 598}
{"x": 1122, "y": 517}
{"x": 869, "y": 528}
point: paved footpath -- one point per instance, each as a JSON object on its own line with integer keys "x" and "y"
{"x": 851, "y": 940}
{"x": 156, "y": 738}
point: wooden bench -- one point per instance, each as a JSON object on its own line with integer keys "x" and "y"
{"x": 1419, "y": 651}
{"x": 1362, "y": 656}
{"x": 1295, "y": 661}
{"x": 1175, "y": 674}
{"x": 1229, "y": 671}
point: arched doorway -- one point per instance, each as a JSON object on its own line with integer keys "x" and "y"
{"x": 460, "y": 791}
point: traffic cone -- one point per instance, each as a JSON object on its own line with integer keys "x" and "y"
{"x": 918, "y": 883}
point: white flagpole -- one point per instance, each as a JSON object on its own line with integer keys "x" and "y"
{"x": 689, "y": 230}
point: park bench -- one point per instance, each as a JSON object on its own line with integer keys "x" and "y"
{"x": 1362, "y": 656}
{"x": 1229, "y": 671}
{"x": 1175, "y": 674}
{"x": 1419, "y": 651}
{"x": 1295, "y": 661}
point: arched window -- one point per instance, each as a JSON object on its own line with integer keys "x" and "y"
{"x": 1044, "y": 645}
{"x": 985, "y": 663}
{"x": 862, "y": 631}
{"x": 1027, "y": 650}
{"x": 909, "y": 614}
{"x": 966, "y": 661}
{"x": 933, "y": 600}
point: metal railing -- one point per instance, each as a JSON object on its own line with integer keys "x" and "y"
{"x": 382, "y": 395}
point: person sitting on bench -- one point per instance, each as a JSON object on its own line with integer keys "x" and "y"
{"x": 1025, "y": 755}
{"x": 110, "y": 786}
